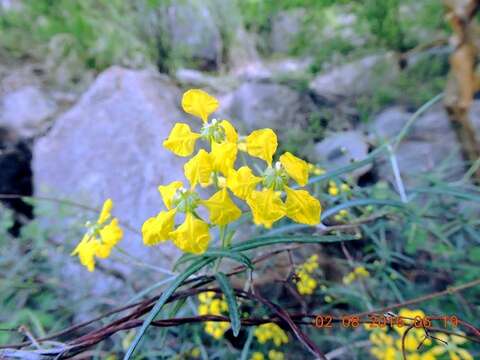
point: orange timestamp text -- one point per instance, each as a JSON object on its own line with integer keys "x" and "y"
{"x": 382, "y": 321}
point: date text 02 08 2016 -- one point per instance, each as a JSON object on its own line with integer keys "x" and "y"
{"x": 381, "y": 321}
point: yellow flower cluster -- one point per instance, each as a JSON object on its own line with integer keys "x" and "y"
{"x": 100, "y": 238}
{"x": 334, "y": 190}
{"x": 358, "y": 273}
{"x": 306, "y": 284}
{"x": 389, "y": 347}
{"x": 272, "y": 355}
{"x": 209, "y": 305}
{"x": 217, "y": 167}
{"x": 342, "y": 215}
{"x": 271, "y": 331}
{"x": 315, "y": 170}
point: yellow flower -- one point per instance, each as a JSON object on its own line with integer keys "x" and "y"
{"x": 242, "y": 182}
{"x": 100, "y": 238}
{"x": 356, "y": 274}
{"x": 86, "y": 251}
{"x": 345, "y": 187}
{"x": 157, "y": 229}
{"x": 199, "y": 103}
{"x": 262, "y": 144}
{"x": 266, "y": 206}
{"x": 106, "y": 211}
{"x": 302, "y": 207}
{"x": 168, "y": 192}
{"x": 110, "y": 235}
{"x": 222, "y": 209}
{"x": 333, "y": 189}
{"x": 275, "y": 355}
{"x": 296, "y": 168}
{"x": 216, "y": 329}
{"x": 181, "y": 140}
{"x": 455, "y": 352}
{"x": 306, "y": 285}
{"x": 192, "y": 236}
{"x": 230, "y": 132}
{"x": 257, "y": 356}
{"x": 198, "y": 169}
{"x": 311, "y": 264}
{"x": 223, "y": 156}
{"x": 271, "y": 331}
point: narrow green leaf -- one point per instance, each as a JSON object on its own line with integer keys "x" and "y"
{"x": 248, "y": 343}
{"x": 196, "y": 266}
{"x": 361, "y": 202}
{"x": 217, "y": 253}
{"x": 232, "y": 303}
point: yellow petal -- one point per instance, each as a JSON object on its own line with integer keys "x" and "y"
{"x": 168, "y": 192}
{"x": 198, "y": 169}
{"x": 111, "y": 234}
{"x": 192, "y": 236}
{"x": 296, "y": 168}
{"x": 266, "y": 206}
{"x": 262, "y": 144}
{"x": 106, "y": 211}
{"x": 199, "y": 103}
{"x": 302, "y": 207}
{"x": 223, "y": 156}
{"x": 86, "y": 250}
{"x": 222, "y": 209}
{"x": 242, "y": 182}
{"x": 181, "y": 140}
{"x": 157, "y": 229}
{"x": 230, "y": 132}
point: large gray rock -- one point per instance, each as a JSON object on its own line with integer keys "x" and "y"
{"x": 355, "y": 78}
{"x": 286, "y": 27}
{"x": 257, "y": 105}
{"x": 192, "y": 31}
{"x": 430, "y": 144}
{"x": 26, "y": 110}
{"x": 110, "y": 145}
{"x": 342, "y": 148}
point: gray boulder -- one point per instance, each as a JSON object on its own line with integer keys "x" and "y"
{"x": 26, "y": 110}
{"x": 257, "y": 105}
{"x": 430, "y": 143}
{"x": 342, "y": 148}
{"x": 286, "y": 27}
{"x": 192, "y": 32}
{"x": 355, "y": 78}
{"x": 110, "y": 145}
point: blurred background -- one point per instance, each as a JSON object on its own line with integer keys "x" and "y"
{"x": 89, "y": 89}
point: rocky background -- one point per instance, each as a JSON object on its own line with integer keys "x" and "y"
{"x": 88, "y": 92}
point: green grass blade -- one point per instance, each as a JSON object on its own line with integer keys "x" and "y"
{"x": 232, "y": 303}
{"x": 163, "y": 299}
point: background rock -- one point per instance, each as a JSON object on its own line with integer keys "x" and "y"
{"x": 354, "y": 78}
{"x": 256, "y": 105}
{"x": 342, "y": 148}
{"x": 27, "y": 110}
{"x": 110, "y": 145}
{"x": 430, "y": 143}
{"x": 286, "y": 27}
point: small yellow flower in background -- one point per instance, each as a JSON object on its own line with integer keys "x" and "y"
{"x": 271, "y": 332}
{"x": 195, "y": 352}
{"x": 209, "y": 305}
{"x": 306, "y": 284}
{"x": 328, "y": 299}
{"x": 452, "y": 347}
{"x": 342, "y": 214}
{"x": 344, "y": 187}
{"x": 257, "y": 356}
{"x": 199, "y": 103}
{"x": 275, "y": 355}
{"x": 333, "y": 188}
{"x": 357, "y": 273}
{"x": 100, "y": 238}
